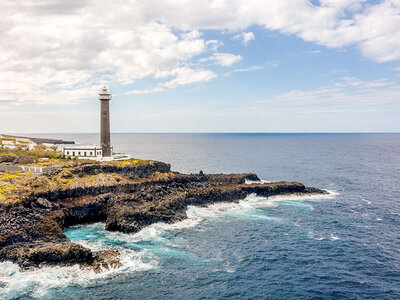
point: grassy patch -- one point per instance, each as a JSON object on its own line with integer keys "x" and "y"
{"x": 18, "y": 186}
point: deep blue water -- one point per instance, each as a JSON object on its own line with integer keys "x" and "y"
{"x": 345, "y": 246}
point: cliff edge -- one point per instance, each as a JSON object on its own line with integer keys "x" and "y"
{"x": 126, "y": 196}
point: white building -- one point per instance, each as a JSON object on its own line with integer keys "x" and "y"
{"x": 90, "y": 152}
{"x": 15, "y": 143}
{"x": 24, "y": 143}
{"x": 8, "y": 144}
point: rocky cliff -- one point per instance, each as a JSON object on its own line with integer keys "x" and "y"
{"x": 31, "y": 231}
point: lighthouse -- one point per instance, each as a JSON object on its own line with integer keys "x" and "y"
{"x": 104, "y": 151}
{"x": 105, "y": 142}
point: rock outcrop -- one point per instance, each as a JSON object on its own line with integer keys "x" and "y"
{"x": 103, "y": 260}
{"x": 31, "y": 232}
{"x": 138, "y": 170}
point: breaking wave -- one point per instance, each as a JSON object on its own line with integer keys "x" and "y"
{"x": 142, "y": 251}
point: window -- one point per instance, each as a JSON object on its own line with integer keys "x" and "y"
{"x": 79, "y": 153}
{"x": 91, "y": 153}
{"x": 73, "y": 153}
{"x": 67, "y": 152}
{"x": 84, "y": 153}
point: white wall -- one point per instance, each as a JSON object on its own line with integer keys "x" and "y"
{"x": 82, "y": 152}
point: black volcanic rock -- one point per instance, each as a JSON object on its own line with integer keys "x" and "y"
{"x": 103, "y": 260}
{"x": 31, "y": 232}
{"x": 139, "y": 170}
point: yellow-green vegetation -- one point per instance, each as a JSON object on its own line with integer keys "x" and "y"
{"x": 8, "y": 176}
{"x": 65, "y": 162}
{"x": 160, "y": 175}
{"x": 21, "y": 156}
{"x": 52, "y": 162}
{"x": 125, "y": 162}
{"x": 7, "y": 185}
{"x": 16, "y": 186}
{"x": 40, "y": 157}
{"x": 7, "y": 156}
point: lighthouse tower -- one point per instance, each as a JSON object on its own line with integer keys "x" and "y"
{"x": 104, "y": 151}
{"x": 105, "y": 142}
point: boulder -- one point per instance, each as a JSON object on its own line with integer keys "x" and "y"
{"x": 44, "y": 203}
{"x": 103, "y": 260}
{"x": 34, "y": 256}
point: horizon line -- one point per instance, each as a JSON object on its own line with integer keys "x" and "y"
{"x": 219, "y": 132}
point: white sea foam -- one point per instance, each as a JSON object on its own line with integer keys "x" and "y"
{"x": 240, "y": 210}
{"x": 36, "y": 283}
{"x": 155, "y": 230}
{"x": 334, "y": 237}
{"x": 250, "y": 207}
{"x": 247, "y": 181}
{"x": 247, "y": 208}
{"x": 311, "y": 235}
{"x": 311, "y": 197}
{"x": 366, "y": 201}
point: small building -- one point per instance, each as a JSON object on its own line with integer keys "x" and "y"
{"x": 83, "y": 151}
{"x": 26, "y": 143}
{"x": 8, "y": 144}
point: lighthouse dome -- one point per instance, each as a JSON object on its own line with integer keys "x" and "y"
{"x": 104, "y": 94}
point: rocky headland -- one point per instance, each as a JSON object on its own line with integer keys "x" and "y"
{"x": 126, "y": 196}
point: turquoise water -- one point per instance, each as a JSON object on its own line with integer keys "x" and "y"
{"x": 345, "y": 245}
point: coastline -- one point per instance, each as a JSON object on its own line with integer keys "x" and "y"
{"x": 126, "y": 196}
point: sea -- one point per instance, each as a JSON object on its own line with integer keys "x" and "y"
{"x": 345, "y": 245}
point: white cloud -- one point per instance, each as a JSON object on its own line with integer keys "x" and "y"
{"x": 270, "y": 64}
{"x": 45, "y": 121}
{"x": 223, "y": 59}
{"x": 349, "y": 92}
{"x": 313, "y": 52}
{"x": 213, "y": 45}
{"x": 53, "y": 57}
{"x": 146, "y": 91}
{"x": 187, "y": 76}
{"x": 348, "y": 105}
{"x": 273, "y": 64}
{"x": 183, "y": 76}
{"x": 63, "y": 87}
{"x": 71, "y": 46}
{"x": 252, "y": 68}
{"x": 194, "y": 34}
{"x": 246, "y": 37}
{"x": 374, "y": 28}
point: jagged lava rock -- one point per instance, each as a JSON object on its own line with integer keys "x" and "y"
{"x": 31, "y": 232}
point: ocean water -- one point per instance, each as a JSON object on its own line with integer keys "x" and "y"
{"x": 342, "y": 246}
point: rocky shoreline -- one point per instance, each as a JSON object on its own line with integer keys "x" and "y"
{"x": 31, "y": 231}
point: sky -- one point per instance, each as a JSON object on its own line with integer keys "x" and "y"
{"x": 200, "y": 65}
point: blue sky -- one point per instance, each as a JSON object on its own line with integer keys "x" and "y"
{"x": 205, "y": 66}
